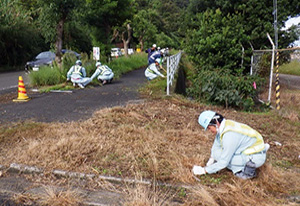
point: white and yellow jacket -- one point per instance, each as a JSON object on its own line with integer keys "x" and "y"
{"x": 233, "y": 143}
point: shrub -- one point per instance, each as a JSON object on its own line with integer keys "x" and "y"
{"x": 223, "y": 88}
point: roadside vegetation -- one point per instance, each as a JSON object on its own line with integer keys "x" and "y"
{"x": 292, "y": 68}
{"x": 54, "y": 78}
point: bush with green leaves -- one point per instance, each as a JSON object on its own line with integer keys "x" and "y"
{"x": 215, "y": 41}
{"x": 222, "y": 88}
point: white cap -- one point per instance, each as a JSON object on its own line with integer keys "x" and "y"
{"x": 154, "y": 45}
{"x": 98, "y": 64}
{"x": 158, "y": 60}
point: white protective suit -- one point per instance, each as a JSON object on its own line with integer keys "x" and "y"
{"x": 152, "y": 72}
{"x": 103, "y": 73}
{"x": 229, "y": 151}
{"x": 77, "y": 75}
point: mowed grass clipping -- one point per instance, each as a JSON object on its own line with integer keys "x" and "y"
{"x": 160, "y": 140}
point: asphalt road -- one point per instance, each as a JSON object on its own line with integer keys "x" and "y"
{"x": 9, "y": 80}
{"x": 291, "y": 81}
{"x": 78, "y": 105}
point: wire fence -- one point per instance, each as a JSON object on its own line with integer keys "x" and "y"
{"x": 172, "y": 66}
{"x": 258, "y": 62}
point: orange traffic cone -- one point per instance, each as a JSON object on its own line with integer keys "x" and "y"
{"x": 22, "y": 95}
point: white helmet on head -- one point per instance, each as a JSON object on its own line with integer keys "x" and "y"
{"x": 78, "y": 62}
{"x": 158, "y": 60}
{"x": 154, "y": 45}
{"x": 205, "y": 118}
{"x": 98, "y": 64}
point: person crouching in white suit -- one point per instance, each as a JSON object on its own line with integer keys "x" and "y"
{"x": 237, "y": 147}
{"x": 152, "y": 70}
{"x": 103, "y": 73}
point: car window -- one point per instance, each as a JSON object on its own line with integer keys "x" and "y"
{"x": 45, "y": 55}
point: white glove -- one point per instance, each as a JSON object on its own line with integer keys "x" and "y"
{"x": 210, "y": 161}
{"x": 198, "y": 170}
{"x": 68, "y": 79}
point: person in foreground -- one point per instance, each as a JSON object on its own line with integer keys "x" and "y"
{"x": 236, "y": 146}
{"x": 77, "y": 75}
{"x": 103, "y": 73}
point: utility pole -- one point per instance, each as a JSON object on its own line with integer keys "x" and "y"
{"x": 275, "y": 23}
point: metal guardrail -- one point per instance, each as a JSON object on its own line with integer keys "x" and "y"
{"x": 172, "y": 66}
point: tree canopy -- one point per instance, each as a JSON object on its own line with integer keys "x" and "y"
{"x": 209, "y": 27}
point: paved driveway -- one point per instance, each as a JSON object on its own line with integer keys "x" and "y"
{"x": 80, "y": 104}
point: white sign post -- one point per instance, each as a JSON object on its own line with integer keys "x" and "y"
{"x": 96, "y": 53}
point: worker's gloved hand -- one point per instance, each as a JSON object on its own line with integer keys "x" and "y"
{"x": 198, "y": 170}
{"x": 68, "y": 79}
{"x": 210, "y": 161}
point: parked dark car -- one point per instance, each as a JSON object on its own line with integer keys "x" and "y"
{"x": 45, "y": 58}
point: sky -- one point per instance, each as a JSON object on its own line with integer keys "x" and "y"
{"x": 292, "y": 21}
{"x": 289, "y": 23}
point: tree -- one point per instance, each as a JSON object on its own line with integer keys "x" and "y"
{"x": 215, "y": 41}
{"x": 126, "y": 36}
{"x": 54, "y": 15}
{"x": 257, "y": 16}
{"x": 104, "y": 16}
{"x": 143, "y": 29}
{"x": 19, "y": 37}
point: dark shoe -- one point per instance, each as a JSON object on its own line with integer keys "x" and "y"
{"x": 248, "y": 172}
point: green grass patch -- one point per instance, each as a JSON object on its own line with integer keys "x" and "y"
{"x": 54, "y": 78}
{"x": 124, "y": 64}
{"x": 155, "y": 88}
{"x": 46, "y": 76}
{"x": 292, "y": 68}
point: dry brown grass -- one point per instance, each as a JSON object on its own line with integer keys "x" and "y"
{"x": 50, "y": 196}
{"x": 55, "y": 197}
{"x": 143, "y": 195}
{"x": 161, "y": 140}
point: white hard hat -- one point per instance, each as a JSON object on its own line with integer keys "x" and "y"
{"x": 98, "y": 64}
{"x": 78, "y": 62}
{"x": 205, "y": 118}
{"x": 158, "y": 60}
{"x": 154, "y": 45}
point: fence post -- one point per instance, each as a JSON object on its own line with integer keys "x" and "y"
{"x": 172, "y": 65}
{"x": 168, "y": 76}
{"x": 272, "y": 67}
{"x": 277, "y": 84}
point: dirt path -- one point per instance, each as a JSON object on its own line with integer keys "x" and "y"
{"x": 78, "y": 105}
